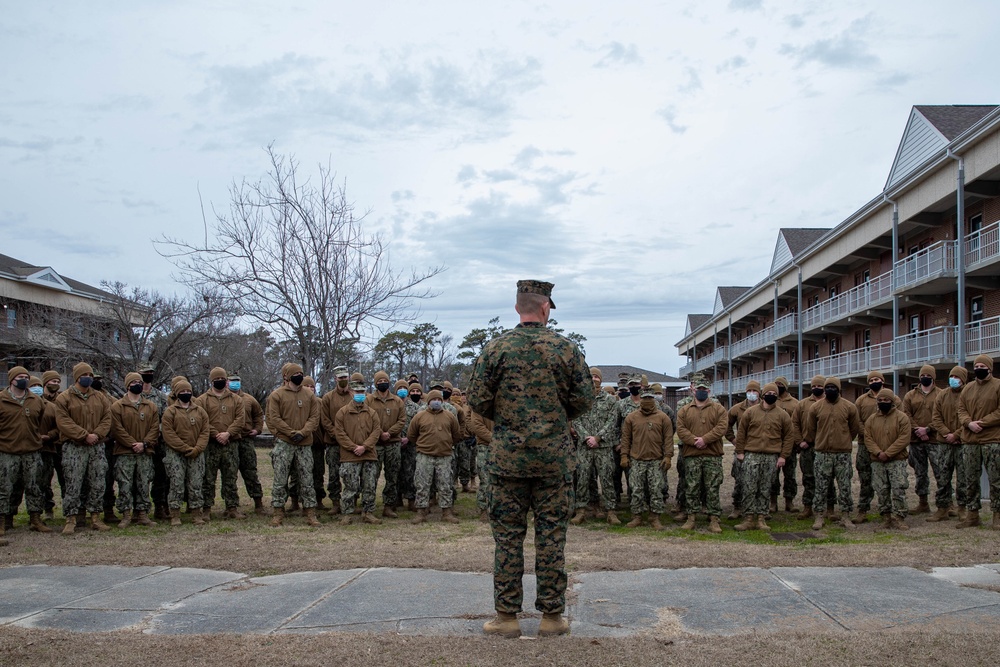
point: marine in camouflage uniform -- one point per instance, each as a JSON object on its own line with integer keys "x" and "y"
{"x": 626, "y": 406}
{"x": 51, "y": 445}
{"x": 227, "y": 416}
{"x": 647, "y": 445}
{"x": 701, "y": 426}
{"x": 736, "y": 471}
{"x": 392, "y": 415}
{"x": 135, "y": 432}
{"x": 788, "y": 403}
{"x": 918, "y": 405}
{"x": 978, "y": 411}
{"x": 764, "y": 442}
{"x": 161, "y": 482}
{"x": 357, "y": 428}
{"x": 408, "y": 449}
{"x": 532, "y": 382}
{"x": 597, "y": 435}
{"x": 293, "y": 416}
{"x": 887, "y": 433}
{"x": 185, "y": 429}
{"x": 662, "y": 406}
{"x": 832, "y": 424}
{"x": 246, "y": 447}
{"x": 681, "y": 497}
{"x": 945, "y": 453}
{"x": 866, "y": 408}
{"x": 331, "y": 403}
{"x": 21, "y": 414}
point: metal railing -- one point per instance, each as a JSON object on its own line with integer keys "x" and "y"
{"x": 685, "y": 370}
{"x": 983, "y": 245}
{"x": 852, "y": 362}
{"x": 783, "y": 326}
{"x": 928, "y": 345}
{"x": 935, "y": 261}
{"x": 858, "y": 298}
{"x": 983, "y": 337}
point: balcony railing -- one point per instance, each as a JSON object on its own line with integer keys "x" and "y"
{"x": 854, "y": 300}
{"x": 983, "y": 245}
{"x": 685, "y": 370}
{"x": 783, "y": 326}
{"x": 924, "y": 346}
{"x": 935, "y": 261}
{"x": 983, "y": 337}
{"x": 852, "y": 362}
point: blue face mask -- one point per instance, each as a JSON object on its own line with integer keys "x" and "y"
{"x": 234, "y": 385}
{"x": 85, "y": 381}
{"x": 359, "y": 398}
{"x": 402, "y": 393}
{"x": 36, "y": 390}
{"x": 954, "y": 383}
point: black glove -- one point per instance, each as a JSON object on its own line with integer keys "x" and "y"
{"x": 297, "y": 438}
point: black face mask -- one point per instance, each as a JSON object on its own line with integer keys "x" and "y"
{"x": 701, "y": 395}
{"x": 184, "y": 398}
{"x": 982, "y": 373}
{"x": 770, "y": 399}
{"x": 97, "y": 385}
{"x": 135, "y": 389}
{"x": 147, "y": 378}
{"x": 781, "y": 390}
{"x": 446, "y": 394}
{"x": 415, "y": 397}
{"x": 885, "y": 407}
{"x": 622, "y": 393}
{"x": 876, "y": 387}
{"x": 927, "y": 381}
{"x": 22, "y": 383}
{"x": 817, "y": 391}
{"x": 832, "y": 394}
{"x": 219, "y": 385}
{"x": 296, "y": 380}
{"x": 382, "y": 386}
{"x": 634, "y": 390}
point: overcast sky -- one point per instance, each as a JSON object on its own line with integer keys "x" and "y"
{"x": 636, "y": 154}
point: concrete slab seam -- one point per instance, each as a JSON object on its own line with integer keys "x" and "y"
{"x": 809, "y": 600}
{"x": 322, "y": 598}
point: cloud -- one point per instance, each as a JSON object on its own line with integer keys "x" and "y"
{"x": 499, "y": 175}
{"x": 132, "y": 203}
{"x": 402, "y": 195}
{"x": 693, "y": 82}
{"x": 669, "y": 114}
{"x": 40, "y": 144}
{"x": 619, "y": 54}
{"x": 746, "y": 5}
{"x": 731, "y": 64}
{"x": 466, "y": 173}
{"x": 526, "y": 157}
{"x": 12, "y": 226}
{"x": 795, "y": 21}
{"x": 847, "y": 50}
{"x": 893, "y": 80}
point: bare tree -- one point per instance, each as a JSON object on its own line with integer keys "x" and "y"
{"x": 294, "y": 256}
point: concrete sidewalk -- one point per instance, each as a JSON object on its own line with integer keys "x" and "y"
{"x": 716, "y": 601}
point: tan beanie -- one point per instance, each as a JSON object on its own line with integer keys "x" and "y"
{"x": 81, "y": 369}
{"x": 770, "y": 386}
{"x": 594, "y": 370}
{"x": 381, "y": 376}
{"x": 876, "y": 375}
{"x": 961, "y": 373}
{"x": 817, "y": 381}
{"x": 218, "y": 373}
{"x": 290, "y": 369}
{"x": 17, "y": 370}
{"x": 49, "y": 376}
{"x": 985, "y": 359}
{"x": 753, "y": 385}
{"x": 927, "y": 369}
{"x": 132, "y": 377}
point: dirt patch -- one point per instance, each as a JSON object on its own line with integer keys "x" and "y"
{"x": 253, "y": 548}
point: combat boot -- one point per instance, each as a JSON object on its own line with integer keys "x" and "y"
{"x": 234, "y": 513}
{"x": 749, "y": 523}
{"x": 656, "y": 522}
{"x": 713, "y": 524}
{"x": 613, "y": 518}
{"x": 735, "y": 514}
{"x": 954, "y": 511}
{"x": 503, "y": 625}
{"x": 922, "y": 506}
{"x": 579, "y": 517}
{"x": 553, "y": 625}
{"x": 831, "y": 509}
{"x": 689, "y": 523}
{"x": 319, "y": 504}
{"x": 941, "y": 515}
{"x": 38, "y": 526}
{"x": 160, "y": 511}
{"x": 761, "y": 524}
{"x": 389, "y": 513}
{"x": 635, "y": 522}
{"x": 143, "y": 519}
{"x": 860, "y": 517}
{"x": 206, "y": 514}
{"x": 49, "y": 514}
{"x": 8, "y": 521}
{"x": 466, "y": 488}
{"x": 335, "y": 510}
{"x": 126, "y": 519}
{"x": 818, "y": 523}
{"x": 109, "y": 515}
{"x": 277, "y": 517}
{"x": 806, "y": 513}
{"x": 311, "y": 519}
{"x": 971, "y": 520}
{"x": 70, "y": 526}
{"x": 346, "y": 519}
{"x": 295, "y": 505}
{"x": 421, "y": 516}
{"x": 175, "y": 517}
{"x": 448, "y": 515}
{"x": 887, "y": 522}
{"x": 773, "y": 504}
{"x": 680, "y": 516}
{"x": 901, "y": 523}
{"x": 846, "y": 522}
{"x": 258, "y": 507}
{"x": 97, "y": 524}
{"x": 368, "y": 517}
{"x": 789, "y": 505}
{"x": 199, "y": 517}
{"x": 411, "y": 505}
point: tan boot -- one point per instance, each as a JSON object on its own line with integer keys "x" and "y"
{"x": 142, "y": 518}
{"x": 311, "y": 519}
{"x": 680, "y": 516}
{"x": 206, "y": 514}
{"x": 503, "y": 625}
{"x": 922, "y": 506}
{"x": 335, "y": 510}
{"x": 126, "y": 519}
{"x": 773, "y": 504}
{"x": 36, "y": 524}
{"x": 259, "y": 509}
{"x": 789, "y": 505}
{"x": 277, "y": 517}
{"x": 198, "y": 516}
{"x": 234, "y": 513}
{"x": 846, "y": 522}
{"x": 761, "y": 524}
{"x": 613, "y": 518}
{"x": 748, "y": 523}
{"x": 860, "y": 517}
{"x": 389, "y": 513}
{"x": 818, "y": 523}
{"x": 713, "y": 524}
{"x": 971, "y": 520}
{"x": 175, "y": 517}
{"x": 421, "y": 516}
{"x": 448, "y": 515}
{"x": 735, "y": 514}
{"x": 954, "y": 511}
{"x": 70, "y": 526}
{"x": 579, "y": 517}
{"x": 888, "y": 522}
{"x": 689, "y": 523}
{"x": 635, "y": 522}
{"x": 553, "y": 625}
{"x": 49, "y": 515}
{"x": 655, "y": 523}
{"x": 806, "y": 513}
{"x": 368, "y": 517}
{"x": 97, "y": 524}
{"x": 901, "y": 523}
{"x": 940, "y": 515}
{"x": 346, "y": 519}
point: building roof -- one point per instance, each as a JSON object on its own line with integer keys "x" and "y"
{"x": 46, "y": 276}
{"x": 953, "y": 119}
{"x": 724, "y": 296}
{"x": 695, "y": 322}
{"x": 611, "y": 374}
{"x": 792, "y": 242}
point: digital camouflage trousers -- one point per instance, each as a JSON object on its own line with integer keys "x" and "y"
{"x": 283, "y": 457}
{"x": 83, "y": 465}
{"x": 945, "y": 462}
{"x": 24, "y": 471}
{"x": 185, "y": 475}
{"x": 388, "y": 465}
{"x": 759, "y": 471}
{"x": 599, "y": 461}
{"x": 891, "y": 479}
{"x": 645, "y": 478}
{"x": 703, "y": 477}
{"x": 224, "y": 459}
{"x": 974, "y": 459}
{"x": 834, "y": 466}
{"x": 133, "y": 475}
{"x": 358, "y": 478}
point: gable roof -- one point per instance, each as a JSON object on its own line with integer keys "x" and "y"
{"x": 791, "y": 242}
{"x": 930, "y": 129}
{"x": 695, "y": 322}
{"x": 725, "y": 296}
{"x": 46, "y": 276}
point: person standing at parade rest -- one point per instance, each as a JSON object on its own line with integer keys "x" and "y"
{"x": 867, "y": 406}
{"x": 331, "y": 403}
{"x": 185, "y": 428}
{"x": 293, "y": 417}
{"x": 391, "y": 412}
{"x": 764, "y": 443}
{"x": 84, "y": 421}
{"x": 246, "y": 450}
{"x": 945, "y": 455}
{"x": 135, "y": 431}
{"x": 736, "y": 471}
{"x": 979, "y": 413}
{"x": 701, "y": 426}
{"x": 531, "y": 381}
{"x": 21, "y": 414}
{"x": 832, "y": 424}
{"x": 886, "y": 434}
{"x": 788, "y": 403}
{"x": 918, "y": 405}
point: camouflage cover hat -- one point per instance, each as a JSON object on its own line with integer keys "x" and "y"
{"x": 341, "y": 372}
{"x": 437, "y": 384}
{"x": 647, "y": 394}
{"x": 234, "y": 376}
{"x": 536, "y": 287}
{"x": 358, "y": 386}
{"x": 147, "y": 368}
{"x": 702, "y": 382}
{"x": 634, "y": 379}
{"x": 696, "y": 376}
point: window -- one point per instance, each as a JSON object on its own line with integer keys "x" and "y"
{"x": 975, "y": 226}
{"x": 834, "y": 345}
{"x": 976, "y": 311}
{"x": 816, "y": 299}
{"x": 868, "y": 338}
{"x": 914, "y": 323}
{"x": 834, "y": 291}
{"x": 815, "y": 351}
{"x": 793, "y": 356}
{"x": 11, "y": 317}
